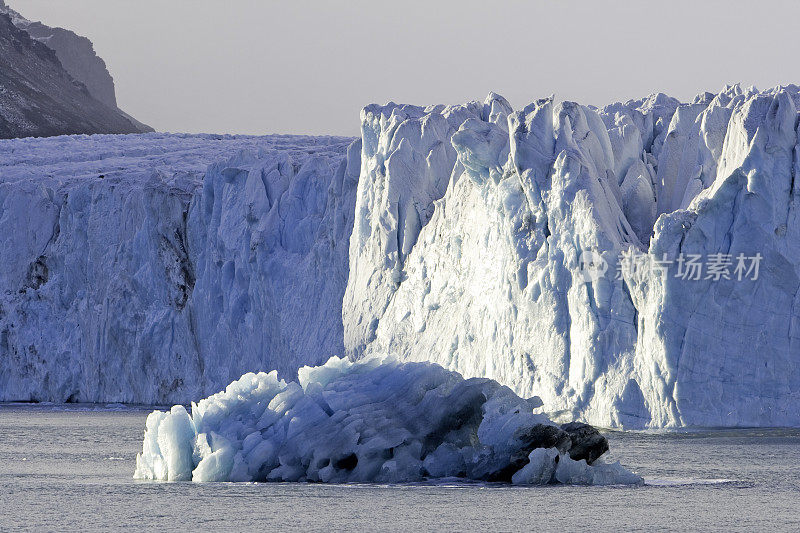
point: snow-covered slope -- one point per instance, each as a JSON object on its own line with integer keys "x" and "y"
{"x": 133, "y": 274}
{"x": 474, "y": 261}
{"x": 469, "y": 236}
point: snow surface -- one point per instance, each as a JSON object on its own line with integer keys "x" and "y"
{"x": 369, "y": 421}
{"x": 162, "y": 281}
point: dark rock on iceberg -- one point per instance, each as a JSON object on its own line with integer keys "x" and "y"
{"x": 587, "y": 442}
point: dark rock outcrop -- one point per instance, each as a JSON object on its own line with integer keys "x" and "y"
{"x": 579, "y": 440}
{"x": 77, "y": 56}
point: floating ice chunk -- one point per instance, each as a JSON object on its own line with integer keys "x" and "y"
{"x": 370, "y": 421}
{"x": 574, "y": 472}
{"x": 547, "y": 465}
{"x": 541, "y": 467}
{"x": 171, "y": 451}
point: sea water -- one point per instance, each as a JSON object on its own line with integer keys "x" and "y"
{"x": 70, "y": 468}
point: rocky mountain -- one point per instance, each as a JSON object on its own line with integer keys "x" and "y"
{"x": 53, "y": 83}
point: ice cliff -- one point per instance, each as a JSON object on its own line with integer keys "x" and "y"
{"x": 371, "y": 422}
{"x": 461, "y": 235}
{"x": 472, "y": 223}
{"x": 134, "y": 272}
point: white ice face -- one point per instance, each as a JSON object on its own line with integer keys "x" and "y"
{"x": 371, "y": 421}
{"x": 491, "y": 277}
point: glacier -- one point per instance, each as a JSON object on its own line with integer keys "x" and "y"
{"x": 371, "y": 421}
{"x": 159, "y": 268}
{"x": 133, "y": 270}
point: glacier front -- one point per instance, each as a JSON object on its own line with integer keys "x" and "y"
{"x": 473, "y": 224}
{"x": 159, "y": 268}
{"x": 135, "y": 272}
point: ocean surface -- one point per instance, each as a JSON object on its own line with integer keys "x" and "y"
{"x": 71, "y": 467}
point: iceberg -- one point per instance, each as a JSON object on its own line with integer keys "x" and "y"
{"x": 371, "y": 421}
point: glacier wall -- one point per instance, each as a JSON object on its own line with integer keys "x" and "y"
{"x": 474, "y": 261}
{"x": 134, "y": 272}
{"x": 159, "y": 268}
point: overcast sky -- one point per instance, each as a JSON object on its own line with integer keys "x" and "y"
{"x": 256, "y": 66}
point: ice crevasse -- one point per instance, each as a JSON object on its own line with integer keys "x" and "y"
{"x": 371, "y": 421}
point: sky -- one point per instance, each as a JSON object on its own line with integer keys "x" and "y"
{"x": 258, "y": 66}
